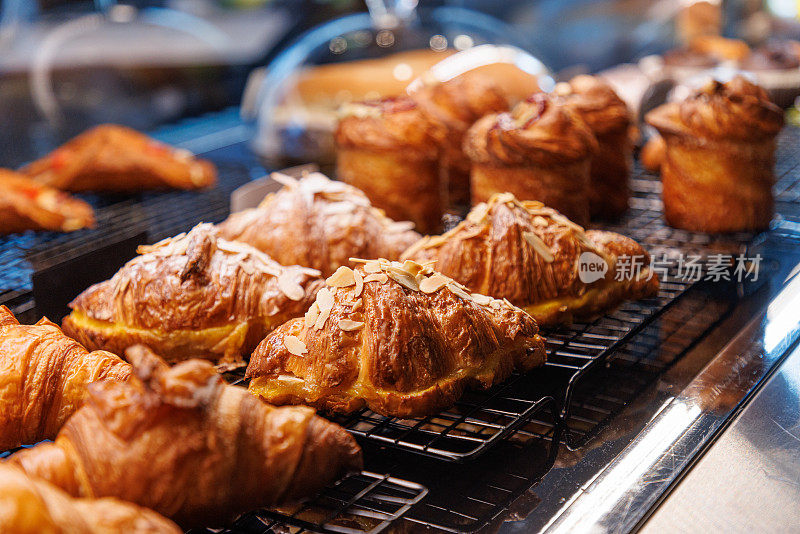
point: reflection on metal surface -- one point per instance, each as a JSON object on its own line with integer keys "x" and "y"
{"x": 620, "y": 495}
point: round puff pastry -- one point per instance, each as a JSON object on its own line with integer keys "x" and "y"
{"x": 390, "y": 150}
{"x": 319, "y": 223}
{"x": 608, "y": 117}
{"x": 719, "y": 155}
{"x": 194, "y": 295}
{"x": 530, "y": 255}
{"x": 456, "y": 104}
{"x": 542, "y": 150}
{"x": 397, "y": 338}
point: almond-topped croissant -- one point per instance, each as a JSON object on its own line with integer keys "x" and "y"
{"x": 533, "y": 256}
{"x": 319, "y": 223}
{"x": 116, "y": 158}
{"x": 390, "y": 150}
{"x": 398, "y": 338}
{"x": 717, "y": 172}
{"x": 44, "y": 377}
{"x": 194, "y": 295}
{"x": 609, "y": 119}
{"x": 542, "y": 151}
{"x": 456, "y": 104}
{"x": 28, "y": 205}
{"x": 184, "y": 443}
{"x": 30, "y": 506}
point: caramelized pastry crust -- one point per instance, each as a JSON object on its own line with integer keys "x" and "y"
{"x": 542, "y": 151}
{"x": 390, "y": 150}
{"x": 192, "y": 295}
{"x": 44, "y": 378}
{"x": 184, "y": 443}
{"x": 319, "y": 223}
{"x": 608, "y": 117}
{"x": 456, "y": 104}
{"x": 119, "y": 159}
{"x": 28, "y": 205}
{"x": 395, "y": 337}
{"x": 532, "y": 256}
{"x": 717, "y": 171}
{"x": 29, "y": 506}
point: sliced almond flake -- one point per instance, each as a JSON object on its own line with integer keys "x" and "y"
{"x": 359, "y": 260}
{"x": 322, "y": 318}
{"x": 433, "y": 283}
{"x": 310, "y": 272}
{"x": 496, "y": 304}
{"x": 539, "y": 221}
{"x": 339, "y": 207}
{"x": 381, "y": 278}
{"x": 248, "y": 268}
{"x": 478, "y": 213}
{"x": 434, "y": 241}
{"x": 401, "y": 226}
{"x": 348, "y": 326}
{"x": 453, "y": 287}
{"x": 506, "y": 197}
{"x": 483, "y": 300}
{"x": 539, "y": 246}
{"x": 294, "y": 345}
{"x": 359, "y": 283}
{"x": 284, "y": 179}
{"x": 324, "y": 299}
{"x": 311, "y": 315}
{"x": 372, "y": 267}
{"x": 404, "y": 279}
{"x": 469, "y": 234}
{"x": 413, "y": 268}
{"x": 343, "y": 277}
{"x": 289, "y": 287}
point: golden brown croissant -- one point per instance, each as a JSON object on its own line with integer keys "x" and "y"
{"x": 30, "y": 506}
{"x": 115, "y": 158}
{"x": 44, "y": 376}
{"x": 533, "y": 256}
{"x": 542, "y": 151}
{"x": 390, "y": 150}
{"x": 28, "y": 205}
{"x": 319, "y": 223}
{"x": 186, "y": 444}
{"x": 192, "y": 295}
{"x": 717, "y": 172}
{"x": 456, "y": 104}
{"x": 396, "y": 337}
{"x": 609, "y": 119}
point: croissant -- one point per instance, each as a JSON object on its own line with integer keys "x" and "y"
{"x": 542, "y": 151}
{"x": 118, "y": 159}
{"x": 717, "y": 172}
{"x": 390, "y": 150}
{"x": 319, "y": 223}
{"x": 44, "y": 376}
{"x": 194, "y": 294}
{"x": 456, "y": 104}
{"x": 184, "y": 443}
{"x": 27, "y": 205}
{"x": 395, "y": 337}
{"x": 29, "y": 506}
{"x": 609, "y": 119}
{"x": 539, "y": 260}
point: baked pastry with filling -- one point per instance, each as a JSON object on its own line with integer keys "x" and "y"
{"x": 44, "y": 378}
{"x": 456, "y": 104}
{"x": 319, "y": 223}
{"x": 390, "y": 150}
{"x": 397, "y": 338}
{"x": 192, "y": 295}
{"x": 608, "y": 118}
{"x": 719, "y": 155}
{"x": 184, "y": 443}
{"x": 542, "y": 151}
{"x": 28, "y": 205}
{"x": 30, "y": 506}
{"x": 538, "y": 260}
{"x": 114, "y": 158}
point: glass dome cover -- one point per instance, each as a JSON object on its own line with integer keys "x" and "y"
{"x": 371, "y": 55}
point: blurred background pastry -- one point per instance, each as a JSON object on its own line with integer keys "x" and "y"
{"x": 541, "y": 150}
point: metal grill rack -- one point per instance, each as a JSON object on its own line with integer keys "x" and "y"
{"x": 363, "y": 503}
